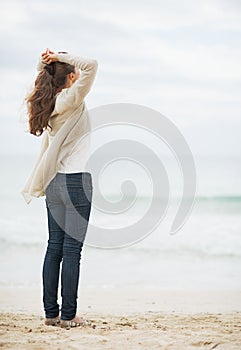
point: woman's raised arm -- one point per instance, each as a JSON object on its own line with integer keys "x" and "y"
{"x": 73, "y": 96}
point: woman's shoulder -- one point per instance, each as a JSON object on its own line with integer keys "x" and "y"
{"x": 62, "y": 109}
{"x": 60, "y": 101}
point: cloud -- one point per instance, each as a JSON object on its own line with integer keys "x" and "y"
{"x": 182, "y": 58}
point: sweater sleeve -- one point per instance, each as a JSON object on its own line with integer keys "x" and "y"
{"x": 73, "y": 96}
{"x": 40, "y": 64}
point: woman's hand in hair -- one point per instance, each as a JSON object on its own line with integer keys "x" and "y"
{"x": 49, "y": 56}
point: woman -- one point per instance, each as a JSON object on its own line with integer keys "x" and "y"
{"x": 56, "y": 108}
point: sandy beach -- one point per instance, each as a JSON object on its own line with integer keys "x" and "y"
{"x": 126, "y": 319}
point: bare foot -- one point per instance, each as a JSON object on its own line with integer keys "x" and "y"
{"x": 77, "y": 321}
{"x": 52, "y": 321}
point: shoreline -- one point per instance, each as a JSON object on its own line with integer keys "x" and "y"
{"x": 127, "y": 300}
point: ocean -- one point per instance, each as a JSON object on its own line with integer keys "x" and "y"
{"x": 204, "y": 254}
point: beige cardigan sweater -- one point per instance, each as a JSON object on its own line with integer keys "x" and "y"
{"x": 69, "y": 121}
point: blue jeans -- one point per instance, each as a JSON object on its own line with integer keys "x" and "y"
{"x": 68, "y": 202}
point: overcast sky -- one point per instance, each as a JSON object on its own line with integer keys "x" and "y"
{"x": 181, "y": 58}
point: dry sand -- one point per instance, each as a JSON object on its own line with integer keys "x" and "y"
{"x": 126, "y": 319}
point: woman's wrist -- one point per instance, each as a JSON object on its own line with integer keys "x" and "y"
{"x": 63, "y": 57}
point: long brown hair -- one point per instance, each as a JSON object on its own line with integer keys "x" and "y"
{"x": 41, "y": 101}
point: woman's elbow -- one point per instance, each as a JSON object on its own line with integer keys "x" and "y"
{"x": 92, "y": 65}
{"x": 95, "y": 63}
